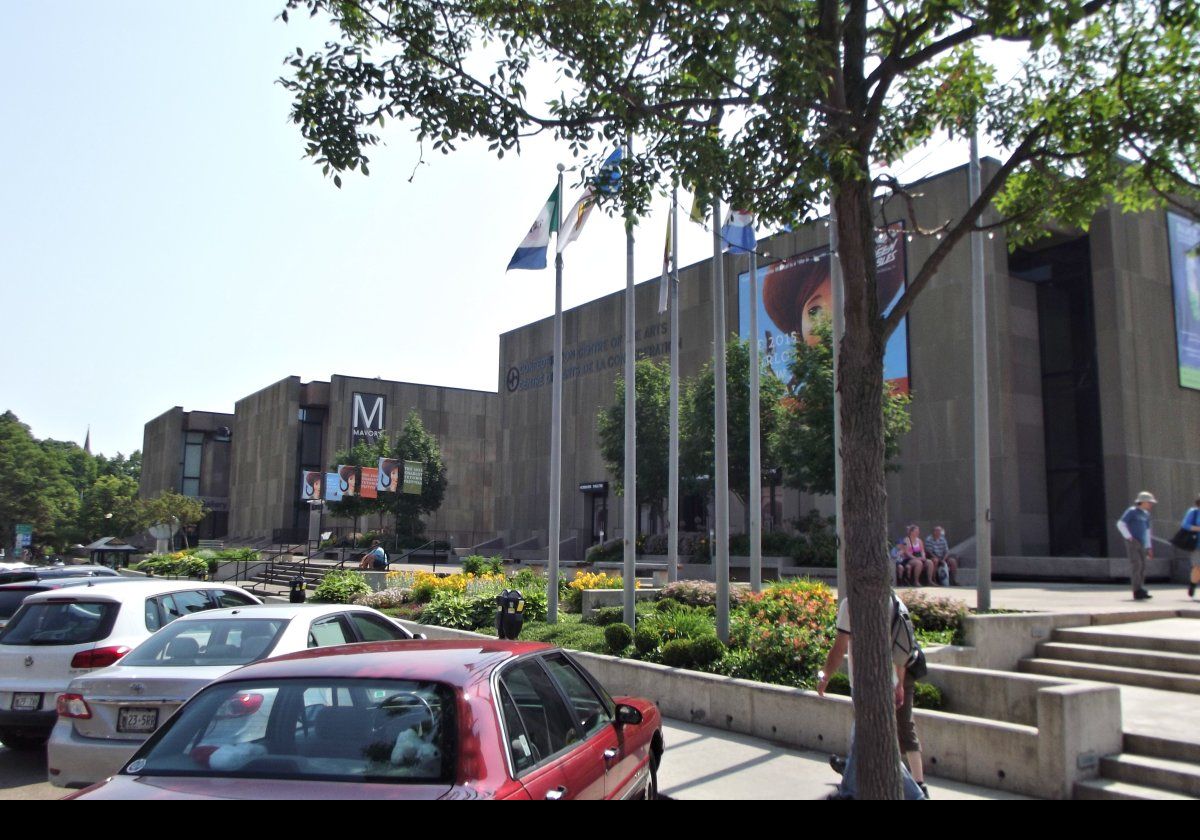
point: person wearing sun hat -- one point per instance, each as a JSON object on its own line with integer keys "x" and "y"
{"x": 1134, "y": 526}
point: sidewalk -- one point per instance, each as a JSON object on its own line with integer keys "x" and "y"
{"x": 704, "y": 763}
{"x": 1072, "y": 597}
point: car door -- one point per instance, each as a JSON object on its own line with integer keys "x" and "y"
{"x": 546, "y": 748}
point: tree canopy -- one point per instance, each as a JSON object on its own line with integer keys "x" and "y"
{"x": 652, "y": 400}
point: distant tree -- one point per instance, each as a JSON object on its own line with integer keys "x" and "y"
{"x": 34, "y": 487}
{"x": 174, "y": 507}
{"x": 110, "y": 508}
{"x": 362, "y": 455}
{"x": 652, "y": 382}
{"x": 119, "y": 465}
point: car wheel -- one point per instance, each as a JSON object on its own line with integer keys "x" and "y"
{"x": 652, "y": 785}
{"x": 17, "y": 739}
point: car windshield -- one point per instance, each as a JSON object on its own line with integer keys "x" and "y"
{"x": 60, "y": 623}
{"x": 216, "y": 641}
{"x": 397, "y": 731}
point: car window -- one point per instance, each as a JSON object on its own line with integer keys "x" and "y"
{"x": 330, "y": 631}
{"x": 61, "y": 623}
{"x": 372, "y": 628}
{"x": 216, "y": 641}
{"x": 154, "y": 614}
{"x": 591, "y": 713}
{"x": 226, "y": 598}
{"x": 546, "y": 719}
{"x": 396, "y": 731}
{"x": 520, "y": 745}
{"x": 179, "y": 604}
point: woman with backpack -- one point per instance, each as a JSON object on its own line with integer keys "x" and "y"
{"x": 1186, "y": 539}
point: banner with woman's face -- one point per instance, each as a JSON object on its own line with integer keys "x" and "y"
{"x": 310, "y": 485}
{"x": 388, "y": 480}
{"x": 796, "y": 293}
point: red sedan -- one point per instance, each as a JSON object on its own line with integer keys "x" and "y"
{"x": 401, "y": 720}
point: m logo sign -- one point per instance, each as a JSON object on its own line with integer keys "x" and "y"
{"x": 368, "y": 420}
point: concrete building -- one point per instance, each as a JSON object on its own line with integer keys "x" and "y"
{"x": 1084, "y": 378}
{"x": 188, "y": 452}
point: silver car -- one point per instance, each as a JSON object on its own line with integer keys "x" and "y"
{"x": 106, "y": 715}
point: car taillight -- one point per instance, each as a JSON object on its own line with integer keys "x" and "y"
{"x": 98, "y": 658}
{"x": 73, "y": 706}
{"x": 242, "y": 705}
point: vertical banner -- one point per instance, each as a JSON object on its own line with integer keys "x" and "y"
{"x": 368, "y": 482}
{"x": 333, "y": 487}
{"x": 388, "y": 480}
{"x": 798, "y": 291}
{"x": 1183, "y": 239}
{"x": 414, "y": 477}
{"x": 367, "y": 420}
{"x": 310, "y": 485}
{"x": 348, "y": 479}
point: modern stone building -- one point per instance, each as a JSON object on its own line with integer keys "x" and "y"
{"x": 1084, "y": 392}
{"x": 188, "y": 452}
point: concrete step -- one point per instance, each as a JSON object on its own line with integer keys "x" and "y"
{"x": 1161, "y": 680}
{"x": 1159, "y": 747}
{"x": 1177, "y": 663}
{"x": 1178, "y": 776}
{"x": 1111, "y": 789}
{"x": 1121, "y": 640}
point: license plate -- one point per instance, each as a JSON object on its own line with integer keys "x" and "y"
{"x": 137, "y": 720}
{"x": 26, "y": 702}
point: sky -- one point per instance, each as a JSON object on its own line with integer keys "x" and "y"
{"x": 164, "y": 241}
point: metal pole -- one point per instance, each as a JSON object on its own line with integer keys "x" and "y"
{"x": 673, "y": 458}
{"x": 755, "y": 497}
{"x": 720, "y": 432}
{"x": 631, "y": 507}
{"x": 983, "y": 470}
{"x": 839, "y": 330}
{"x": 556, "y": 372}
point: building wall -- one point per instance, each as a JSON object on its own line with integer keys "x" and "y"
{"x": 1150, "y": 424}
{"x": 162, "y": 454}
{"x": 264, "y": 477}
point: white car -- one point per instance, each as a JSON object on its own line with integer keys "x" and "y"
{"x": 105, "y": 716}
{"x": 62, "y": 634}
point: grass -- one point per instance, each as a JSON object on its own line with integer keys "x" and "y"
{"x": 570, "y": 632}
{"x": 936, "y": 637}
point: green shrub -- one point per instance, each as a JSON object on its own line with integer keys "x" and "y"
{"x": 706, "y": 650}
{"x": 477, "y": 565}
{"x": 667, "y": 604}
{"x": 606, "y": 616}
{"x": 655, "y": 544}
{"x": 839, "y": 683}
{"x": 681, "y": 623}
{"x": 450, "y": 609}
{"x": 926, "y": 696}
{"x": 678, "y": 653}
{"x": 536, "y": 603}
{"x": 608, "y": 552}
{"x": 645, "y": 640}
{"x": 527, "y": 577}
{"x": 341, "y": 587}
{"x": 618, "y": 637}
{"x": 932, "y": 613}
{"x": 179, "y": 564}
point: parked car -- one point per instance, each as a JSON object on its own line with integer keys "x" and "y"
{"x": 12, "y": 595}
{"x": 106, "y": 715}
{"x": 62, "y": 634}
{"x": 54, "y": 573}
{"x": 401, "y": 720}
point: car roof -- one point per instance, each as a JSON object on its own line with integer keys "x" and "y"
{"x": 133, "y": 589}
{"x": 458, "y": 663}
{"x": 273, "y": 611}
{"x": 59, "y": 583}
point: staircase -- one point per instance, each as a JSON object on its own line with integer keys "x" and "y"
{"x": 1148, "y": 768}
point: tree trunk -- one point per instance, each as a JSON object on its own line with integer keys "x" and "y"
{"x": 864, "y": 499}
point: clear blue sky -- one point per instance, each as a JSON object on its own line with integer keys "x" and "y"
{"x": 163, "y": 241}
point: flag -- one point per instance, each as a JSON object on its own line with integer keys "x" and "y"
{"x": 738, "y": 232}
{"x": 607, "y": 182}
{"x": 665, "y": 286}
{"x": 531, "y": 253}
{"x": 699, "y": 209}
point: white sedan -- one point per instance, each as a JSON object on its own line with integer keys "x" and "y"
{"x": 105, "y": 716}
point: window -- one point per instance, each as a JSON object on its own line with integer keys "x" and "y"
{"x": 57, "y": 623}
{"x": 183, "y": 603}
{"x": 330, "y": 631}
{"x": 591, "y": 712}
{"x": 219, "y": 641}
{"x": 193, "y": 450}
{"x": 539, "y": 707}
{"x": 225, "y": 598}
{"x": 372, "y": 628}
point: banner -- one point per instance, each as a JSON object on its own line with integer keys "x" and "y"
{"x": 310, "y": 485}
{"x": 348, "y": 479}
{"x": 368, "y": 482}
{"x": 367, "y": 418}
{"x": 1183, "y": 239}
{"x": 796, "y": 292}
{"x": 333, "y": 487}
{"x": 389, "y": 475}
{"x": 414, "y": 476}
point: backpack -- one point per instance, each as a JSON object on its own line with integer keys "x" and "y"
{"x": 905, "y": 649}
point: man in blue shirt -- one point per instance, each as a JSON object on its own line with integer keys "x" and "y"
{"x": 1134, "y": 526}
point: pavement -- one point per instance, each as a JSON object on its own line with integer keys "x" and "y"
{"x": 23, "y": 776}
{"x": 1072, "y": 597}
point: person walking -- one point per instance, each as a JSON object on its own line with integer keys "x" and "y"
{"x": 1191, "y": 524}
{"x": 1134, "y": 526}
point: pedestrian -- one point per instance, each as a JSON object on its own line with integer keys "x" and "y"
{"x": 1134, "y": 526}
{"x": 909, "y": 666}
{"x": 937, "y": 549}
{"x": 1186, "y": 539}
{"x": 914, "y": 553}
{"x": 376, "y": 559}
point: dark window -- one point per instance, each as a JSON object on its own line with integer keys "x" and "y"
{"x": 220, "y": 641}
{"x": 11, "y": 599}
{"x": 591, "y": 713}
{"x": 193, "y": 451}
{"x": 179, "y": 604}
{"x": 330, "y": 631}
{"x": 545, "y": 717}
{"x": 372, "y": 628}
{"x": 226, "y": 598}
{"x": 56, "y": 623}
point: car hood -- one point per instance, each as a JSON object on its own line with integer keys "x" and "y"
{"x": 186, "y": 787}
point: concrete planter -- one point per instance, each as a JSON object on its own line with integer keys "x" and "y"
{"x": 594, "y": 599}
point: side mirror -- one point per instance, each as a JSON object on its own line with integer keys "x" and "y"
{"x": 418, "y": 636}
{"x": 628, "y": 715}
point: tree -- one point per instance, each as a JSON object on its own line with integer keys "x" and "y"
{"x": 111, "y": 507}
{"x": 170, "y": 507}
{"x": 417, "y": 444}
{"x": 782, "y": 107}
{"x": 33, "y": 487}
{"x": 805, "y": 436}
{"x": 652, "y": 382}
{"x": 696, "y": 421}
{"x": 362, "y": 454}
{"x": 130, "y": 467}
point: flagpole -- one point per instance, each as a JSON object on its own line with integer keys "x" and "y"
{"x": 720, "y": 432}
{"x": 673, "y": 458}
{"x": 552, "y": 562}
{"x": 630, "y": 508}
{"x": 755, "y": 433}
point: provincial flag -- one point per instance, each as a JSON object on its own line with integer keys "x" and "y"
{"x": 664, "y": 286}
{"x": 607, "y": 181}
{"x": 738, "y": 232}
{"x": 531, "y": 253}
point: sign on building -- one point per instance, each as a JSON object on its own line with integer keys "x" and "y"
{"x": 367, "y": 418}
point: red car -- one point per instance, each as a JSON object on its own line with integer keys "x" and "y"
{"x": 401, "y": 720}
